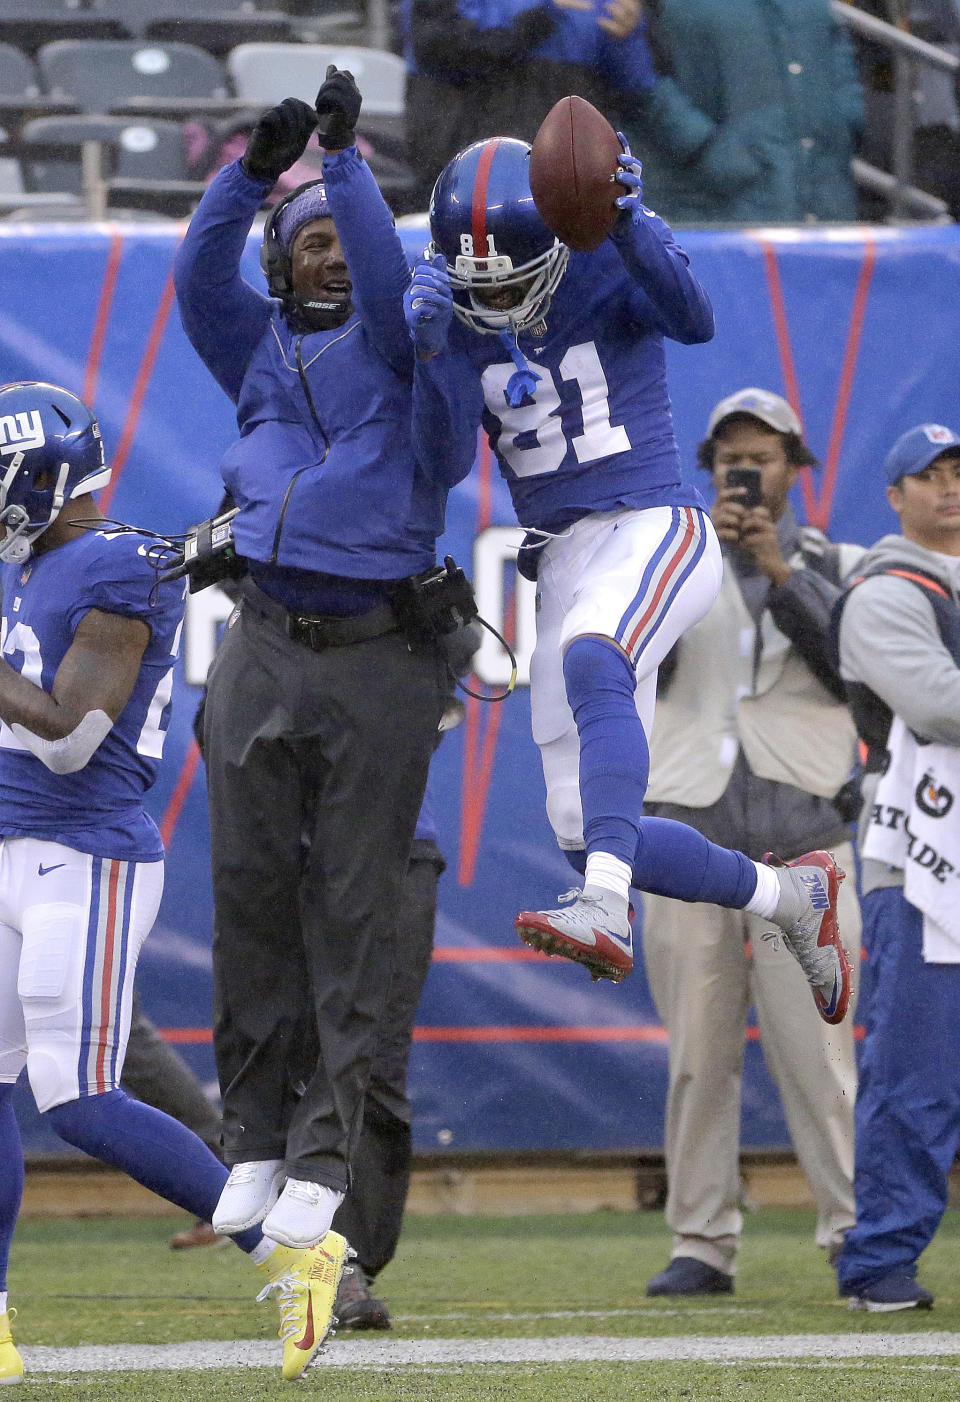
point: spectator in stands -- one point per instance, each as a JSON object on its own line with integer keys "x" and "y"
{"x": 934, "y": 93}
{"x": 899, "y": 645}
{"x": 755, "y": 116}
{"x": 478, "y": 67}
{"x": 751, "y": 742}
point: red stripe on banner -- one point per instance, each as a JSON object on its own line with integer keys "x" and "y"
{"x": 540, "y": 1034}
{"x": 202, "y": 1036}
{"x": 167, "y": 298}
{"x": 778, "y": 309}
{"x": 665, "y": 578}
{"x": 480, "y": 183}
{"x": 821, "y": 515}
{"x": 473, "y": 792}
{"x": 102, "y": 317}
{"x": 179, "y": 796}
{"x": 457, "y": 954}
{"x": 105, "y": 986}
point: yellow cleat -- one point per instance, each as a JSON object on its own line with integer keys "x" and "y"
{"x": 305, "y": 1283}
{"x": 11, "y": 1364}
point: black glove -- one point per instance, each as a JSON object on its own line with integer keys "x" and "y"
{"x": 279, "y": 138}
{"x": 338, "y": 107}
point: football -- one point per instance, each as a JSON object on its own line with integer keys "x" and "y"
{"x": 572, "y": 168}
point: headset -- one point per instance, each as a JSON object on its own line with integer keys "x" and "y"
{"x": 275, "y": 261}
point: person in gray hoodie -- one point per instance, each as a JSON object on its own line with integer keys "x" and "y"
{"x": 898, "y": 633}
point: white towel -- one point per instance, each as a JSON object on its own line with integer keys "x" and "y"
{"x": 915, "y": 825}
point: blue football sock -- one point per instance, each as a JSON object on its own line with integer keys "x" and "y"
{"x": 11, "y": 1176}
{"x": 674, "y": 860}
{"x": 155, "y": 1149}
{"x": 614, "y": 760}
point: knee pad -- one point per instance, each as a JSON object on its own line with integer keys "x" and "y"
{"x": 597, "y": 671}
{"x": 565, "y": 813}
{"x": 52, "y": 1074}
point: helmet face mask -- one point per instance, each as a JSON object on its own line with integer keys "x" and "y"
{"x": 485, "y": 223}
{"x": 50, "y": 451}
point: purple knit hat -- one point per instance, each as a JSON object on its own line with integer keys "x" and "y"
{"x": 307, "y": 204}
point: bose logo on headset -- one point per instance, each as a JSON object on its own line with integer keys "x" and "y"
{"x": 19, "y": 432}
{"x": 274, "y": 259}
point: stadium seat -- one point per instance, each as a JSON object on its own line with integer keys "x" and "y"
{"x": 20, "y": 95}
{"x": 144, "y": 165}
{"x": 146, "y": 77}
{"x": 31, "y": 23}
{"x": 267, "y": 73}
{"x": 214, "y": 25}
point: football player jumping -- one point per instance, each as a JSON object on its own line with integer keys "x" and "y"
{"x": 560, "y": 355}
{"x": 89, "y": 640}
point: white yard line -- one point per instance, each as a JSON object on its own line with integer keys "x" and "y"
{"x": 393, "y": 1353}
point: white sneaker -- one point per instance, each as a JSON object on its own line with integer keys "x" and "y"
{"x": 302, "y": 1215}
{"x": 248, "y": 1195}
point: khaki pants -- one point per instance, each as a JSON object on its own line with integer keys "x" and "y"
{"x": 705, "y": 966}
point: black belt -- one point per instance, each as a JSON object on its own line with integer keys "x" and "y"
{"x": 324, "y": 632}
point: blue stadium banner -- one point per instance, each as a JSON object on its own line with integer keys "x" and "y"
{"x": 857, "y": 326}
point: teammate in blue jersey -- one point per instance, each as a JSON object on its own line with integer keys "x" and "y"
{"x": 89, "y": 640}
{"x": 560, "y": 355}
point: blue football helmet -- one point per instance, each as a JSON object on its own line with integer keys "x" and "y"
{"x": 50, "y": 451}
{"x": 485, "y": 223}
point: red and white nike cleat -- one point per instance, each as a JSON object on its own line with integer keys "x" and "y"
{"x": 587, "y": 931}
{"x": 807, "y": 916}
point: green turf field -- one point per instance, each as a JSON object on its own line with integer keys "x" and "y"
{"x": 499, "y": 1286}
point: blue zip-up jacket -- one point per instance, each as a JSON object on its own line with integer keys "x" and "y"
{"x": 342, "y": 493}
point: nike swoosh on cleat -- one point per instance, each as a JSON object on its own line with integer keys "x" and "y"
{"x": 831, "y": 1007}
{"x": 45, "y": 871}
{"x": 308, "y": 1338}
{"x": 626, "y": 945}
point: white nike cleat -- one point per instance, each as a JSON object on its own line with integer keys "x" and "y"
{"x": 589, "y": 931}
{"x": 807, "y": 916}
{"x": 302, "y": 1214}
{"x": 248, "y": 1195}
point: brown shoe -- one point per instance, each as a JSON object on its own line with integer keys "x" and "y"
{"x": 200, "y": 1234}
{"x": 355, "y": 1307}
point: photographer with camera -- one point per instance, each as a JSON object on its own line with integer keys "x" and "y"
{"x": 324, "y": 699}
{"x": 752, "y": 744}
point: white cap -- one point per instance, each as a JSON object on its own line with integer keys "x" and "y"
{"x": 760, "y": 404}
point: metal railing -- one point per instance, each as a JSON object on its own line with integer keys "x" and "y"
{"x": 908, "y": 54}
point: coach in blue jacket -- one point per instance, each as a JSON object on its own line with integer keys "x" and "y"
{"x": 321, "y": 717}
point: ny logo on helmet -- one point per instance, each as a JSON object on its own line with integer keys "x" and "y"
{"x": 18, "y": 432}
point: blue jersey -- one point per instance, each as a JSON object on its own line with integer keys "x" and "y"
{"x": 597, "y": 433}
{"x": 98, "y": 809}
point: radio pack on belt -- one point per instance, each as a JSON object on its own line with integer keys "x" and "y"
{"x": 432, "y": 605}
{"x": 209, "y": 554}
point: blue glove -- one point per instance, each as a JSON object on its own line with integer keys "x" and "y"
{"x": 428, "y": 305}
{"x": 630, "y": 176}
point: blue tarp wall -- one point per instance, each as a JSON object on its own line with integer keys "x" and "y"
{"x": 858, "y": 327}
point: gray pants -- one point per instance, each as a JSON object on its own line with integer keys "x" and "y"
{"x": 371, "y": 1214}
{"x": 316, "y": 766}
